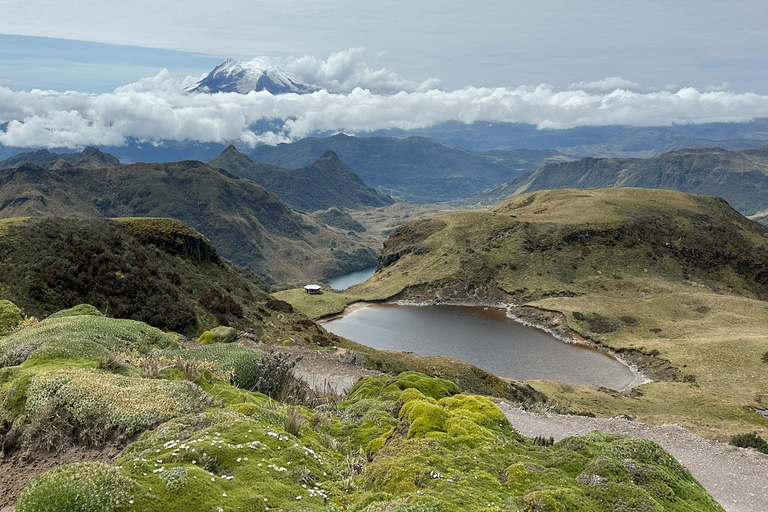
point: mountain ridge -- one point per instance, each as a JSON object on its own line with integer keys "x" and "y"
{"x": 324, "y": 183}
{"x": 247, "y": 224}
{"x": 415, "y": 168}
{"x": 741, "y": 177}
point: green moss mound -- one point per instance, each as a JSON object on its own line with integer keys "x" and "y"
{"x": 424, "y": 455}
{"x": 375, "y": 385}
{"x": 221, "y": 334}
{"x": 460, "y": 452}
{"x": 80, "y": 309}
{"x": 81, "y": 336}
{"x": 68, "y": 406}
{"x": 10, "y": 316}
{"x": 82, "y": 487}
{"x": 227, "y": 460}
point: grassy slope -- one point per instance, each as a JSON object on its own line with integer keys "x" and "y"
{"x": 700, "y": 266}
{"x": 406, "y": 443}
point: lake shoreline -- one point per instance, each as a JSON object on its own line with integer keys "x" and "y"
{"x": 537, "y": 318}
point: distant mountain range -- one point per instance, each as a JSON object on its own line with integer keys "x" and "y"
{"x": 480, "y": 137}
{"x": 740, "y": 177}
{"x": 89, "y": 158}
{"x": 247, "y": 76}
{"x": 324, "y": 183}
{"x": 246, "y": 224}
{"x": 416, "y": 168}
{"x": 596, "y": 141}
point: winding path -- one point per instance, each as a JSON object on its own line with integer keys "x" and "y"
{"x": 736, "y": 477}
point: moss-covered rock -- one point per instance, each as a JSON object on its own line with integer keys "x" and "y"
{"x": 80, "y": 309}
{"x": 220, "y": 334}
{"x": 10, "y": 316}
{"x": 207, "y": 337}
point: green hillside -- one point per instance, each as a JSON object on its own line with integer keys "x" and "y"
{"x": 324, "y": 183}
{"x": 676, "y": 283}
{"x": 247, "y": 224}
{"x": 740, "y": 177}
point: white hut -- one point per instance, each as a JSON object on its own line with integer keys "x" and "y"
{"x": 312, "y": 289}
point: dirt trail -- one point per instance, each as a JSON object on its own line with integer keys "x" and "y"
{"x": 736, "y": 477}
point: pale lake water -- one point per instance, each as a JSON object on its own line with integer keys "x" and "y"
{"x": 347, "y": 280}
{"x": 484, "y": 337}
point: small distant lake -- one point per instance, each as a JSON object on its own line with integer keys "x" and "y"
{"x": 347, "y": 280}
{"x": 484, "y": 337}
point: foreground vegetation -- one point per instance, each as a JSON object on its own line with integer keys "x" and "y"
{"x": 205, "y": 428}
{"x": 675, "y": 283}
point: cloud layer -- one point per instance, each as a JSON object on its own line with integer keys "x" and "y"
{"x": 362, "y": 99}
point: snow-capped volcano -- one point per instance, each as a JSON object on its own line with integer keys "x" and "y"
{"x": 254, "y": 75}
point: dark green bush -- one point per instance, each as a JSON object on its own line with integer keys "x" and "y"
{"x": 270, "y": 374}
{"x": 602, "y": 324}
{"x": 751, "y": 440}
{"x": 10, "y": 316}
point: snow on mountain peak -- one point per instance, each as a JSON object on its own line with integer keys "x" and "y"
{"x": 254, "y": 75}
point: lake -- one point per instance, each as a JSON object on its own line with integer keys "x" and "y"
{"x": 484, "y": 337}
{"x": 347, "y": 280}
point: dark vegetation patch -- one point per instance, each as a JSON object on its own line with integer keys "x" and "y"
{"x": 751, "y": 440}
{"x": 220, "y": 304}
{"x": 171, "y": 279}
{"x": 601, "y": 324}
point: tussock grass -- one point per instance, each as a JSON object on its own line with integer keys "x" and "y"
{"x": 81, "y": 336}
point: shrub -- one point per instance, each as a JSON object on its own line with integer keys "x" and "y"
{"x": 293, "y": 422}
{"x": 751, "y": 440}
{"x": 10, "y": 316}
{"x": 225, "y": 334}
{"x": 220, "y": 304}
{"x": 270, "y": 375}
{"x": 83, "y": 487}
{"x": 602, "y": 324}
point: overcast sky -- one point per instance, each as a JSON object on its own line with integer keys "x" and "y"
{"x": 653, "y": 49}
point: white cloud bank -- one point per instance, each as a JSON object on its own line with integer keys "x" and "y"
{"x": 364, "y": 99}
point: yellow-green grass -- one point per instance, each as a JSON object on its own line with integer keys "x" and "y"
{"x": 658, "y": 403}
{"x": 315, "y": 306}
{"x": 718, "y": 340}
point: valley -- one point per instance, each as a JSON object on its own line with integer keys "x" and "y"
{"x": 181, "y": 283}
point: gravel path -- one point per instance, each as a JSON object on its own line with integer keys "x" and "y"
{"x": 736, "y": 477}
